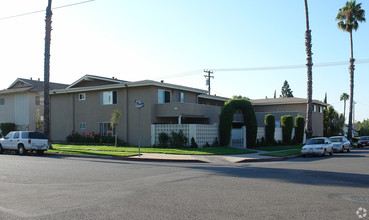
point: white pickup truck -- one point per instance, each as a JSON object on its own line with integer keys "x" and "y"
{"x": 23, "y": 141}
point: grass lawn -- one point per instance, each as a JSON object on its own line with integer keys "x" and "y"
{"x": 283, "y": 153}
{"x": 131, "y": 151}
{"x": 278, "y": 148}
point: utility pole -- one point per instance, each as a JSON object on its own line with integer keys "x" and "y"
{"x": 47, "y": 70}
{"x": 208, "y": 78}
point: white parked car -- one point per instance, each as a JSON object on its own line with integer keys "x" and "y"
{"x": 340, "y": 143}
{"x": 320, "y": 146}
{"x": 23, "y": 141}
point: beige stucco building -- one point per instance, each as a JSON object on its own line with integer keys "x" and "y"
{"x": 87, "y": 105}
{"x": 289, "y": 106}
{"x": 21, "y": 100}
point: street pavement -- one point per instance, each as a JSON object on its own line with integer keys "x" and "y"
{"x": 61, "y": 187}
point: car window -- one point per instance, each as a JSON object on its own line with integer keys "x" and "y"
{"x": 37, "y": 135}
{"x": 16, "y": 135}
{"x": 336, "y": 139}
{"x": 315, "y": 141}
{"x": 9, "y": 135}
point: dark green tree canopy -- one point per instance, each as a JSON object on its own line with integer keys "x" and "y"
{"x": 332, "y": 122}
{"x": 286, "y": 91}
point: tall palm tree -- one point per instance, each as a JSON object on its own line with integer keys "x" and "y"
{"x": 344, "y": 97}
{"x": 348, "y": 18}
{"x": 309, "y": 65}
{"x": 47, "y": 70}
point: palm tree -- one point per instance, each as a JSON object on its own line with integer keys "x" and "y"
{"x": 344, "y": 97}
{"x": 309, "y": 65}
{"x": 47, "y": 70}
{"x": 348, "y": 18}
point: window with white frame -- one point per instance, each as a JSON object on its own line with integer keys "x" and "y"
{"x": 320, "y": 109}
{"x": 108, "y": 98}
{"x": 105, "y": 129}
{"x": 82, "y": 96}
{"x": 314, "y": 108}
{"x": 38, "y": 100}
{"x": 163, "y": 96}
{"x": 82, "y": 125}
{"x": 180, "y": 97}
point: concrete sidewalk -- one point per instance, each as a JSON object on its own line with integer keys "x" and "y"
{"x": 238, "y": 158}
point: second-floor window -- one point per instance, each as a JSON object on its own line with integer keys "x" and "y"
{"x": 82, "y": 96}
{"x": 108, "y": 98}
{"x": 163, "y": 96}
{"x": 180, "y": 97}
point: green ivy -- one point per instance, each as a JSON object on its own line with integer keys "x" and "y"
{"x": 299, "y": 129}
{"x": 269, "y": 128}
{"x": 226, "y": 119}
{"x": 287, "y": 127}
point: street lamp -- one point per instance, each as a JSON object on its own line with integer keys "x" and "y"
{"x": 139, "y": 105}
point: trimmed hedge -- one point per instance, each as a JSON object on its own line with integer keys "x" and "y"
{"x": 287, "y": 127}
{"x": 299, "y": 129}
{"x": 7, "y": 127}
{"x": 269, "y": 128}
{"x": 226, "y": 119}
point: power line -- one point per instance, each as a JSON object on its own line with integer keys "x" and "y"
{"x": 300, "y": 66}
{"x": 42, "y": 11}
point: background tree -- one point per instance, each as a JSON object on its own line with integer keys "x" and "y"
{"x": 114, "y": 121}
{"x": 348, "y": 18}
{"x": 344, "y": 97}
{"x": 325, "y": 98}
{"x": 364, "y": 128}
{"x": 309, "y": 65}
{"x": 269, "y": 122}
{"x": 286, "y": 91}
{"x": 240, "y": 97}
{"x": 332, "y": 122}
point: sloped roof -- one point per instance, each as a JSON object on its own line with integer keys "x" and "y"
{"x": 22, "y": 85}
{"x": 284, "y": 101}
{"x": 96, "y": 78}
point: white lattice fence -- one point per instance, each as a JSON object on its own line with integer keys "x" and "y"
{"x": 200, "y": 132}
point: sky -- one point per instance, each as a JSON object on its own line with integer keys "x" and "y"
{"x": 175, "y": 40}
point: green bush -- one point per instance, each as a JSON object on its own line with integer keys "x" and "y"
{"x": 193, "y": 143}
{"x": 269, "y": 129}
{"x": 7, "y": 127}
{"x": 299, "y": 129}
{"x": 287, "y": 127}
{"x": 226, "y": 119}
{"x": 163, "y": 139}
{"x": 178, "y": 139}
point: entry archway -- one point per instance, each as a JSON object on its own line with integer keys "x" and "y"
{"x": 226, "y": 121}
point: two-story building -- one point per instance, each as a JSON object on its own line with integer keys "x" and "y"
{"x": 87, "y": 105}
{"x": 21, "y": 100}
{"x": 289, "y": 106}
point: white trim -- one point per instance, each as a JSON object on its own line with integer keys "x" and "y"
{"x": 89, "y": 77}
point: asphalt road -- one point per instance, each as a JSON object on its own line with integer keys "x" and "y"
{"x": 36, "y": 187}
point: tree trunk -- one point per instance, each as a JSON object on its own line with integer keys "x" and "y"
{"x": 47, "y": 71}
{"x": 309, "y": 107}
{"x": 344, "y": 109}
{"x": 352, "y": 69}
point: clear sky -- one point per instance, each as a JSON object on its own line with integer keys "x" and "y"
{"x": 175, "y": 40}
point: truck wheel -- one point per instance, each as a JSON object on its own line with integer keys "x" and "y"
{"x": 40, "y": 152}
{"x": 1, "y": 149}
{"x": 21, "y": 150}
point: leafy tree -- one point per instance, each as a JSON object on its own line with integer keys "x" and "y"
{"x": 364, "y": 128}
{"x": 114, "y": 121}
{"x": 325, "y": 98}
{"x": 269, "y": 122}
{"x": 309, "y": 65}
{"x": 240, "y": 97}
{"x": 287, "y": 127}
{"x": 348, "y": 18}
{"x": 299, "y": 129}
{"x": 286, "y": 91}
{"x": 332, "y": 122}
{"x": 344, "y": 97}
{"x": 38, "y": 120}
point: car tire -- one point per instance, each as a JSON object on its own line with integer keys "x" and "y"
{"x": 331, "y": 152}
{"x": 1, "y": 149}
{"x": 348, "y": 149}
{"x": 324, "y": 152}
{"x": 21, "y": 150}
{"x": 343, "y": 149}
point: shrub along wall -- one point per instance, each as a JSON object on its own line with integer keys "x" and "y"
{"x": 7, "y": 127}
{"x": 299, "y": 129}
{"x": 269, "y": 128}
{"x": 287, "y": 127}
{"x": 226, "y": 119}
